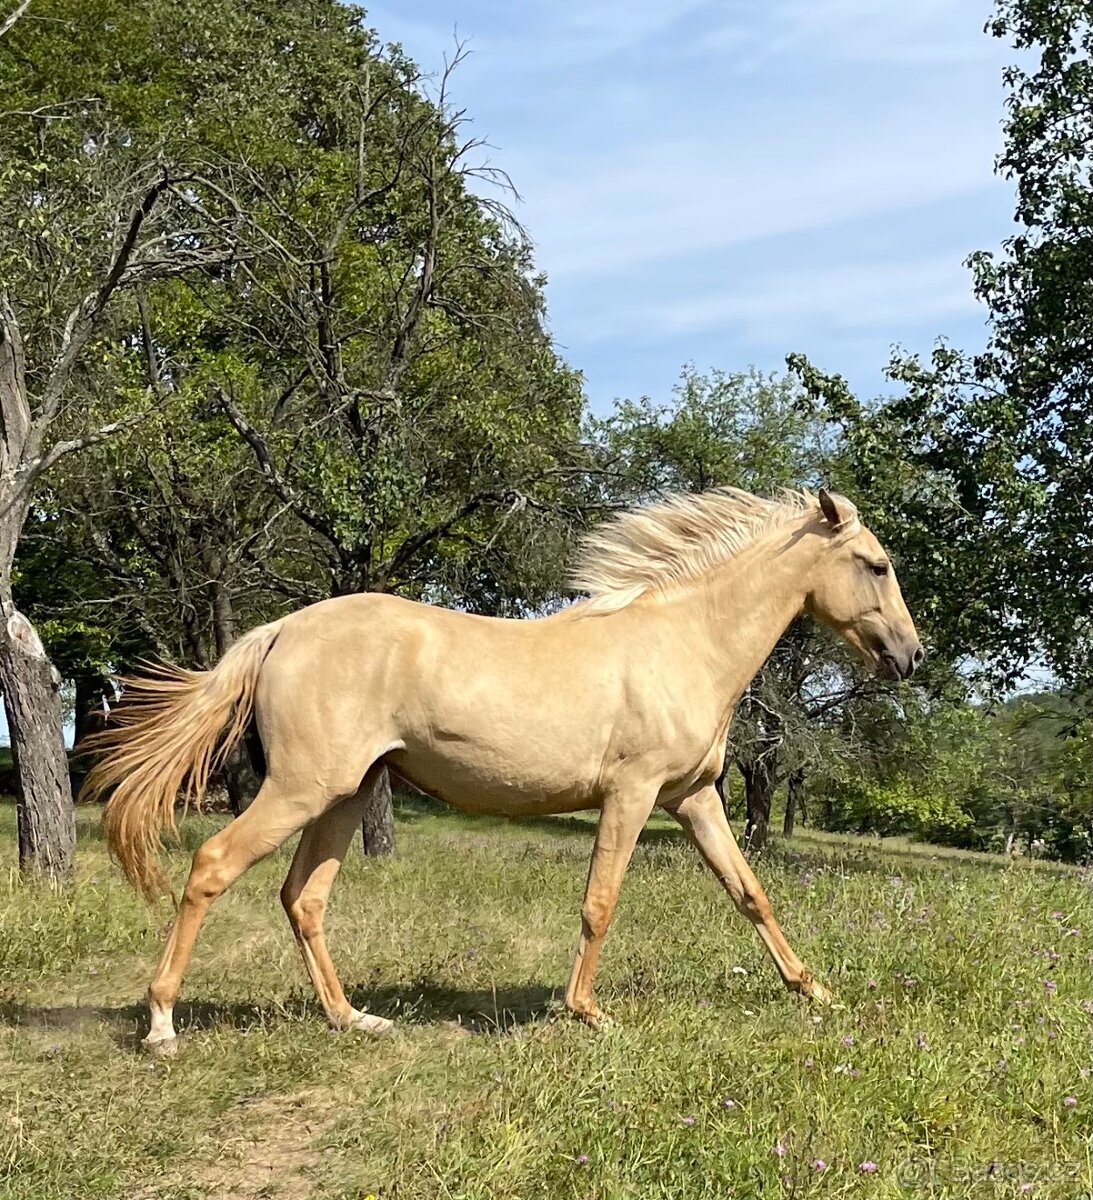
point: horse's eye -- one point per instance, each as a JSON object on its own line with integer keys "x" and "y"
{"x": 879, "y": 568}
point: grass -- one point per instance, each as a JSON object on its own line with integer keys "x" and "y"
{"x": 961, "y": 1029}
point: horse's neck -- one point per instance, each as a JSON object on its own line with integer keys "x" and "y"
{"x": 742, "y": 608}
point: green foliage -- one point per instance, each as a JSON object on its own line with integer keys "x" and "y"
{"x": 1010, "y": 776}
{"x": 746, "y": 429}
{"x": 918, "y": 808}
{"x": 380, "y": 329}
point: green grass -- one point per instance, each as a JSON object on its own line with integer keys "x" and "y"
{"x": 946, "y": 1062}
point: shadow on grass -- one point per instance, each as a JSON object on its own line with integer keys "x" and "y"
{"x": 423, "y": 1003}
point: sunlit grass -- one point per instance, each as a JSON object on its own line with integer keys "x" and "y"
{"x": 960, "y": 1035}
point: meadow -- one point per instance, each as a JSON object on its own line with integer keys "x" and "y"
{"x": 954, "y": 1063}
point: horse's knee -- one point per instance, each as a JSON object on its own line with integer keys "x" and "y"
{"x": 305, "y": 912}
{"x": 596, "y": 916}
{"x": 753, "y": 903}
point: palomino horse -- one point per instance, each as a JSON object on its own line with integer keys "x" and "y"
{"x": 620, "y": 703}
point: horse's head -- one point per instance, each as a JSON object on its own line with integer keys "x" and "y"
{"x": 855, "y": 593}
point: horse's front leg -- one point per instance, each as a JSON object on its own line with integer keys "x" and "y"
{"x": 620, "y": 824}
{"x": 703, "y": 820}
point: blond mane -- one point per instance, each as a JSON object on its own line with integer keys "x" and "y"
{"x": 663, "y": 545}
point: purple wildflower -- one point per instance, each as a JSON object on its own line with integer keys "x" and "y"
{"x": 867, "y": 1167}
{"x": 1070, "y": 1101}
{"x": 581, "y": 1159}
{"x": 848, "y": 1040}
{"x": 872, "y": 985}
{"x": 688, "y": 1121}
{"x": 819, "y": 1165}
{"x": 779, "y": 1149}
{"x": 921, "y": 1042}
{"x": 1050, "y": 985}
{"x": 728, "y": 1102}
{"x": 1086, "y": 1006}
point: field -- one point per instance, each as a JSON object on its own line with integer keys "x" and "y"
{"x": 955, "y": 1062}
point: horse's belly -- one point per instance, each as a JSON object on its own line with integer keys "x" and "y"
{"x": 485, "y": 779}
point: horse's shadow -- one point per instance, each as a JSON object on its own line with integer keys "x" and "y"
{"x": 423, "y": 1003}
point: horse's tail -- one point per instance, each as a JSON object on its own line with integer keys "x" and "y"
{"x": 173, "y": 729}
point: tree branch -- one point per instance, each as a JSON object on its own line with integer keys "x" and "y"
{"x": 9, "y": 21}
{"x": 269, "y": 469}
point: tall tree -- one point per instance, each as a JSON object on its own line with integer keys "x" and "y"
{"x": 1039, "y": 291}
{"x": 368, "y": 398}
{"x": 88, "y": 215}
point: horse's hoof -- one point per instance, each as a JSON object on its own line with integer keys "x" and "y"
{"x": 816, "y": 992}
{"x": 373, "y": 1026}
{"x": 596, "y": 1019}
{"x": 161, "y": 1047}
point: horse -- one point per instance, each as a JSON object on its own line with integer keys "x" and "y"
{"x": 620, "y": 702}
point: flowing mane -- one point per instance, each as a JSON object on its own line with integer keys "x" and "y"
{"x": 661, "y": 545}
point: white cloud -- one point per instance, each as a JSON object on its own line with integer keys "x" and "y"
{"x": 937, "y": 32}
{"x": 733, "y": 151}
{"x": 758, "y": 178}
{"x": 853, "y": 298}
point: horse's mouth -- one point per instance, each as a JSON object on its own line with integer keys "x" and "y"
{"x": 887, "y": 667}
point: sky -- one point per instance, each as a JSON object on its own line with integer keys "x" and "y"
{"x": 721, "y": 182}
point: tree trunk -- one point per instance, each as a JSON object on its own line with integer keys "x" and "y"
{"x": 32, "y": 702}
{"x": 240, "y": 775}
{"x": 90, "y": 717}
{"x": 241, "y": 780}
{"x": 795, "y": 801}
{"x": 758, "y": 794}
{"x": 223, "y": 612}
{"x": 378, "y": 826}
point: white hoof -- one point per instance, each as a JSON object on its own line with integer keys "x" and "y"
{"x": 373, "y": 1026}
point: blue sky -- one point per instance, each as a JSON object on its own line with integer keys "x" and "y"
{"x": 724, "y": 181}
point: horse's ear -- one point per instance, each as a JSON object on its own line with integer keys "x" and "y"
{"x": 837, "y": 510}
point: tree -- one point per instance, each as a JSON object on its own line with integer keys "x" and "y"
{"x": 87, "y": 217}
{"x": 1039, "y": 291}
{"x": 368, "y": 398}
{"x": 1004, "y": 439}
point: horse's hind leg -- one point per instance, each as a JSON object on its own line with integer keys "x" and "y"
{"x": 703, "y": 820}
{"x": 304, "y": 895}
{"x": 275, "y": 815}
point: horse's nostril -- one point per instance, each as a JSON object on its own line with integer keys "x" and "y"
{"x": 917, "y": 657}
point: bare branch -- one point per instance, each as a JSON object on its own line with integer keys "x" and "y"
{"x": 9, "y": 21}
{"x": 58, "y": 450}
{"x": 14, "y": 411}
{"x": 269, "y": 469}
{"x": 125, "y": 268}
